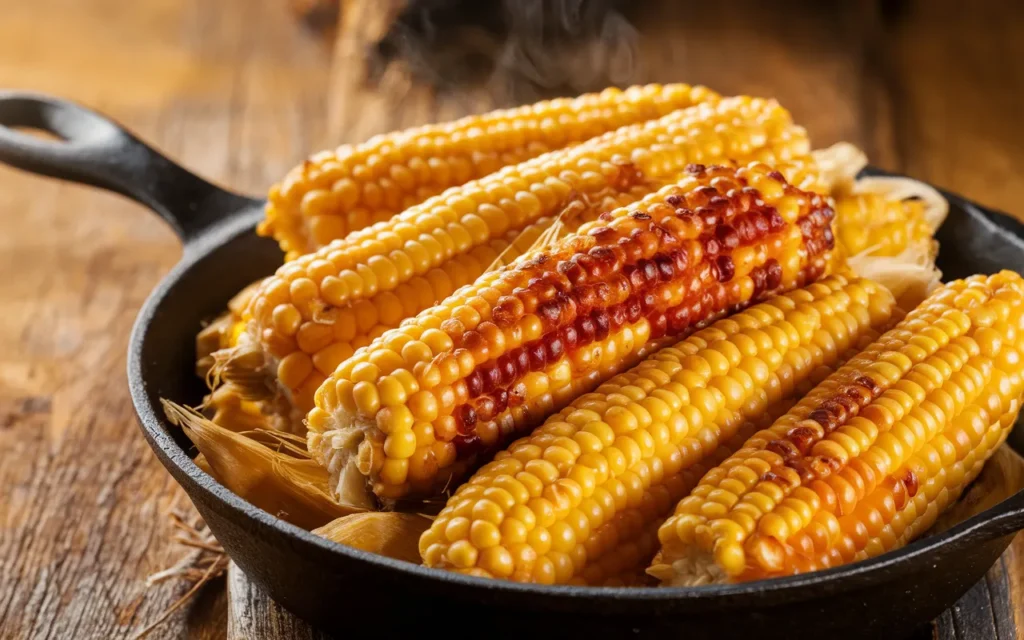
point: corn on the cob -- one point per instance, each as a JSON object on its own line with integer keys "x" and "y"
{"x": 283, "y": 391}
{"x": 881, "y": 225}
{"x": 420, "y": 404}
{"x": 869, "y": 458}
{"x": 335, "y": 193}
{"x": 558, "y": 505}
{"x": 318, "y": 309}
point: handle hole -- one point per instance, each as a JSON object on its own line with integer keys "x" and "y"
{"x": 41, "y": 134}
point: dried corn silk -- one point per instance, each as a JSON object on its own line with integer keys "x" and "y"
{"x": 268, "y": 469}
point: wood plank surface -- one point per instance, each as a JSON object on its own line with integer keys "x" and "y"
{"x": 252, "y": 615}
{"x": 83, "y": 502}
{"x": 934, "y": 89}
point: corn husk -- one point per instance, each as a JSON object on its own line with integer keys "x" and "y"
{"x": 839, "y": 165}
{"x": 269, "y": 469}
{"x": 228, "y": 407}
{"x": 387, "y": 533}
{"x": 218, "y": 333}
{"x": 209, "y": 340}
{"x": 911, "y": 276}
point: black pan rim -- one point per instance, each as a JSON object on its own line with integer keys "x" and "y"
{"x": 854, "y": 576}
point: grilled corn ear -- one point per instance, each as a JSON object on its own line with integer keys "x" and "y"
{"x": 871, "y": 456}
{"x": 420, "y": 405}
{"x": 580, "y": 499}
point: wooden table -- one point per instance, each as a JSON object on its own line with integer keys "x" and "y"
{"x": 240, "y": 93}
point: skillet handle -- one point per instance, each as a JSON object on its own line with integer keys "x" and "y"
{"x": 96, "y": 151}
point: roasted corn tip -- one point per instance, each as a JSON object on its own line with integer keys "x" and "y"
{"x": 317, "y": 310}
{"x": 868, "y": 459}
{"x": 420, "y": 405}
{"x": 580, "y": 499}
{"x": 335, "y": 193}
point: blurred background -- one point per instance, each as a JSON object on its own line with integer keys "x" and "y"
{"x": 242, "y": 90}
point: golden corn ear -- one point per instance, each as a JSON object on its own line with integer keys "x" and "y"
{"x": 578, "y": 500}
{"x": 420, "y": 405}
{"x": 871, "y": 222}
{"x": 871, "y": 456}
{"x": 318, "y": 309}
{"x": 335, "y": 193}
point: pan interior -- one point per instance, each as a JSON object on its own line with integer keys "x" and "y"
{"x": 218, "y": 266}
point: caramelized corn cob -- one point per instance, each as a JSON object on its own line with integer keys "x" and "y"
{"x": 883, "y": 226}
{"x": 318, "y": 309}
{"x": 417, "y": 407}
{"x": 335, "y": 193}
{"x": 869, "y": 458}
{"x": 557, "y": 505}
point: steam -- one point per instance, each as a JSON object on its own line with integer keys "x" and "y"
{"x": 520, "y": 50}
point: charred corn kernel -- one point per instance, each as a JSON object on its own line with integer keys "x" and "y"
{"x": 618, "y": 287}
{"x": 647, "y": 446}
{"x": 426, "y": 253}
{"x": 875, "y": 224}
{"x": 335, "y": 193}
{"x": 873, "y": 454}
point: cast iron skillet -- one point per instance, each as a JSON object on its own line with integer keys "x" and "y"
{"x": 353, "y": 592}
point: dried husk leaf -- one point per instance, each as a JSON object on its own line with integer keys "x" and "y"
{"x": 269, "y": 469}
{"x": 1002, "y": 476}
{"x": 201, "y": 462}
{"x": 217, "y": 335}
{"x": 245, "y": 367}
{"x": 839, "y": 166}
{"x": 209, "y": 340}
{"x": 387, "y": 533}
{"x": 228, "y": 407}
{"x": 911, "y": 276}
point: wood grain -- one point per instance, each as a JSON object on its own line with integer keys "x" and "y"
{"x": 254, "y": 616}
{"x": 83, "y": 507}
{"x": 240, "y": 95}
{"x": 984, "y": 613}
